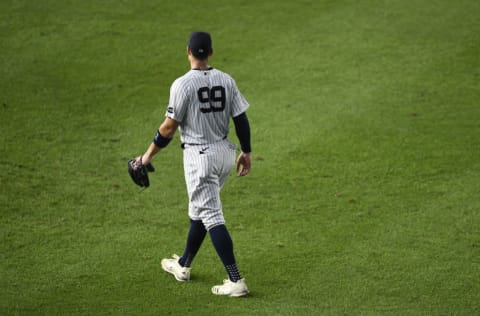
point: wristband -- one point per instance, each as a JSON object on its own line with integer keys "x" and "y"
{"x": 160, "y": 141}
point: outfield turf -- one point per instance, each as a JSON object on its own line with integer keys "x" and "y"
{"x": 364, "y": 196}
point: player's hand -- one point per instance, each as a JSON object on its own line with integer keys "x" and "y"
{"x": 244, "y": 164}
{"x": 145, "y": 159}
{"x": 139, "y": 172}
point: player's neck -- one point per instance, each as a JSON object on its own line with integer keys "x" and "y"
{"x": 199, "y": 64}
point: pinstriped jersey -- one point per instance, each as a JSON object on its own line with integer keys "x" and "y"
{"x": 202, "y": 102}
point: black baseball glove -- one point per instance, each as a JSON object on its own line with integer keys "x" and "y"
{"x": 139, "y": 172}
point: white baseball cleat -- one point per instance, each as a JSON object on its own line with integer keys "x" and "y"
{"x": 172, "y": 266}
{"x": 232, "y": 289}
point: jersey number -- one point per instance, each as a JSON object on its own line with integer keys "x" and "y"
{"x": 215, "y": 97}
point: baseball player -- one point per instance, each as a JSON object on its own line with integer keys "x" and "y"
{"x": 200, "y": 105}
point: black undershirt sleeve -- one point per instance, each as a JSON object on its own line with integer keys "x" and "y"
{"x": 242, "y": 128}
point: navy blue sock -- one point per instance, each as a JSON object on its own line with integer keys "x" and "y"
{"x": 195, "y": 237}
{"x": 224, "y": 246}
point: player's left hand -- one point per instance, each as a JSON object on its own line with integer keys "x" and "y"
{"x": 139, "y": 171}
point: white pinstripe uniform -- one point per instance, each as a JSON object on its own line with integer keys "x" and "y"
{"x": 202, "y": 102}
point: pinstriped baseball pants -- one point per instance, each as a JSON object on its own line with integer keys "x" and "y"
{"x": 206, "y": 169}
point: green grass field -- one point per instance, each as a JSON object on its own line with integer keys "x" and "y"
{"x": 365, "y": 192}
